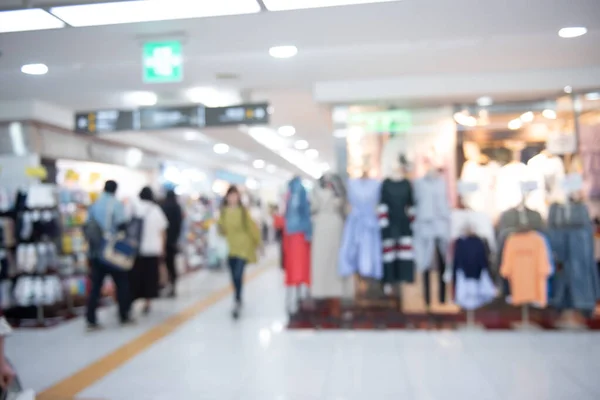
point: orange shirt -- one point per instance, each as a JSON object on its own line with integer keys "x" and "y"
{"x": 526, "y": 265}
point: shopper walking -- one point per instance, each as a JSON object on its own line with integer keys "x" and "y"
{"x": 144, "y": 276}
{"x": 174, "y": 214}
{"x": 243, "y": 239}
{"x": 105, "y": 217}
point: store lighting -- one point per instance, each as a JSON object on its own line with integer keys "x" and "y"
{"x": 283, "y": 51}
{"x": 572, "y": 32}
{"x": 286, "y": 130}
{"x": 34, "y": 69}
{"x": 190, "y": 135}
{"x": 549, "y": 114}
{"x": 340, "y": 133}
{"x": 301, "y": 144}
{"x": 267, "y": 137}
{"x": 271, "y": 168}
{"x": 592, "y": 96}
{"x": 220, "y": 148}
{"x": 527, "y": 117}
{"x": 251, "y": 184}
{"x": 143, "y": 99}
{"x": 485, "y": 101}
{"x": 125, "y": 12}
{"x": 463, "y": 118}
{"x": 515, "y": 124}
{"x": 34, "y": 19}
{"x": 133, "y": 157}
{"x": 568, "y": 89}
{"x": 284, "y": 5}
{"x": 311, "y": 153}
{"x": 258, "y": 164}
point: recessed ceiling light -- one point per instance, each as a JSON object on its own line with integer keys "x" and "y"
{"x": 593, "y": 96}
{"x": 286, "y": 130}
{"x": 485, "y": 101}
{"x": 572, "y": 32}
{"x": 549, "y": 114}
{"x": 124, "y": 12}
{"x": 34, "y": 69}
{"x": 144, "y": 99}
{"x": 311, "y": 153}
{"x": 568, "y": 89}
{"x": 34, "y": 19}
{"x": 283, "y": 51}
{"x": 271, "y": 168}
{"x": 220, "y": 148}
{"x": 527, "y": 117}
{"x": 282, "y": 5}
{"x": 258, "y": 164}
{"x": 515, "y": 124}
{"x": 301, "y": 144}
{"x": 252, "y": 183}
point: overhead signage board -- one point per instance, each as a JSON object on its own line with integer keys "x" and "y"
{"x": 171, "y": 117}
{"x": 392, "y": 121}
{"x": 104, "y": 121}
{"x": 244, "y": 114}
{"x": 162, "y": 62}
{"x": 153, "y": 118}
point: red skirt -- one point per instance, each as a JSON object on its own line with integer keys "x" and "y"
{"x": 296, "y": 259}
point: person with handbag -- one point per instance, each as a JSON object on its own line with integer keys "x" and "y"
{"x": 174, "y": 214}
{"x": 144, "y": 277}
{"x": 105, "y": 217}
{"x": 243, "y": 240}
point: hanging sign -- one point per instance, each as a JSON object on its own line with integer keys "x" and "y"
{"x": 163, "y": 62}
{"x": 104, "y": 121}
{"x": 170, "y": 117}
{"x": 244, "y": 114}
{"x": 36, "y": 172}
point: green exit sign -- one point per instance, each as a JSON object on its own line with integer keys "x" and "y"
{"x": 163, "y": 62}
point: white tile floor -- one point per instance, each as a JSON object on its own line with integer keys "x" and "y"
{"x": 212, "y": 357}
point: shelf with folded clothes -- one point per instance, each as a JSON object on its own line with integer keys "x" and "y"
{"x": 194, "y": 244}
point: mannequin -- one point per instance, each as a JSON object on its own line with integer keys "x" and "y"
{"x": 510, "y": 176}
{"x": 297, "y": 235}
{"x": 393, "y": 212}
{"x": 549, "y": 171}
{"x": 431, "y": 226}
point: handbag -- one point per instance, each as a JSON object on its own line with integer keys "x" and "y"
{"x": 120, "y": 250}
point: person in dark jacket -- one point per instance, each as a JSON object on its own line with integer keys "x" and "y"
{"x": 174, "y": 215}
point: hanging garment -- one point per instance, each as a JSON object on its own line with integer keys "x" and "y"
{"x": 396, "y": 233}
{"x": 297, "y": 235}
{"x": 571, "y": 236}
{"x": 361, "y": 244}
{"x": 526, "y": 265}
{"x": 297, "y": 210}
{"x": 432, "y": 220}
{"x": 473, "y": 285}
{"x": 548, "y": 171}
{"x": 508, "y": 185}
{"x": 511, "y": 221}
{"x": 484, "y": 176}
{"x": 477, "y": 222}
{"x": 441, "y": 266}
{"x": 328, "y": 227}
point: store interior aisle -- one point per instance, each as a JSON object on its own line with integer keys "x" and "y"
{"x": 212, "y": 357}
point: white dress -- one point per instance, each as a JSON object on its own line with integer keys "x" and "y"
{"x": 509, "y": 193}
{"x": 328, "y": 226}
{"x": 549, "y": 173}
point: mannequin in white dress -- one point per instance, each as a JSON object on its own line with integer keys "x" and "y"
{"x": 508, "y": 184}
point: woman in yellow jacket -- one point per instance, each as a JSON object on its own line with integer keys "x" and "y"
{"x": 243, "y": 239}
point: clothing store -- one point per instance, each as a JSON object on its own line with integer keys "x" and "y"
{"x": 455, "y": 216}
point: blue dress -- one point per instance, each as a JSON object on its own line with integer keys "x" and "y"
{"x": 361, "y": 243}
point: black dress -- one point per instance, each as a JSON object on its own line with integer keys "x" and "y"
{"x": 396, "y": 233}
{"x": 144, "y": 278}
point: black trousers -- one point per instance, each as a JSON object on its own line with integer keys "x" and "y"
{"x": 441, "y": 284}
{"x": 236, "y": 266}
{"x": 170, "y": 253}
{"x": 121, "y": 279}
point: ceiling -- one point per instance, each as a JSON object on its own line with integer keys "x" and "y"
{"x": 412, "y": 42}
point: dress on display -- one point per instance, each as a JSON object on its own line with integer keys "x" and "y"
{"x": 297, "y": 235}
{"x": 361, "y": 244}
{"x": 548, "y": 171}
{"x": 396, "y": 232}
{"x": 328, "y": 226}
{"x": 484, "y": 176}
{"x": 508, "y": 185}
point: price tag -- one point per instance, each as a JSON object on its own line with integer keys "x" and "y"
{"x": 465, "y": 187}
{"x": 529, "y": 186}
{"x": 572, "y": 183}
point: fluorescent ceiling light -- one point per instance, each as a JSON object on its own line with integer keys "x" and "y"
{"x": 572, "y": 32}
{"x": 283, "y": 51}
{"x": 258, "y": 164}
{"x": 144, "y": 99}
{"x": 286, "y": 130}
{"x": 34, "y": 69}
{"x": 190, "y": 135}
{"x": 34, "y": 19}
{"x": 213, "y": 97}
{"x": 568, "y": 89}
{"x": 125, "y": 12}
{"x": 485, "y": 101}
{"x": 515, "y": 124}
{"x": 527, "y": 117}
{"x": 282, "y": 5}
{"x": 549, "y": 114}
{"x": 220, "y": 148}
{"x": 301, "y": 145}
{"x": 593, "y": 96}
{"x": 311, "y": 153}
{"x": 252, "y": 183}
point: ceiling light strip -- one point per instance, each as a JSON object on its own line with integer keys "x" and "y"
{"x": 285, "y": 5}
{"x": 34, "y": 19}
{"x": 150, "y": 10}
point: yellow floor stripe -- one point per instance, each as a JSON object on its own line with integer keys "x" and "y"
{"x": 68, "y": 388}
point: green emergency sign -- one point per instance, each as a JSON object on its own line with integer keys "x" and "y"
{"x": 163, "y": 62}
{"x": 392, "y": 121}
